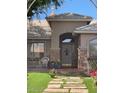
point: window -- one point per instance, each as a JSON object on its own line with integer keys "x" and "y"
{"x": 67, "y": 40}
{"x": 93, "y": 47}
{"x": 37, "y": 50}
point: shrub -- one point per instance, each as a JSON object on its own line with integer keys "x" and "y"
{"x": 52, "y": 73}
{"x": 27, "y": 75}
{"x": 93, "y": 74}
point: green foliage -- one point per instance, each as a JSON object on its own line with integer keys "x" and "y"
{"x": 37, "y": 82}
{"x": 92, "y": 63}
{"x": 52, "y": 73}
{"x": 62, "y": 85}
{"x": 27, "y": 75}
{"x": 90, "y": 85}
{"x": 69, "y": 90}
{"x": 41, "y": 6}
{"x": 64, "y": 81}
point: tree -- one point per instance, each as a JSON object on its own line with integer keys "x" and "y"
{"x": 41, "y": 6}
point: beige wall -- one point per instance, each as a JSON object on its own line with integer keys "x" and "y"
{"x": 84, "y": 41}
{"x": 83, "y": 51}
{"x": 47, "y": 46}
{"x": 58, "y": 28}
{"x": 85, "y": 38}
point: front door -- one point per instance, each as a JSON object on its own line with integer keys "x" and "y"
{"x": 67, "y": 54}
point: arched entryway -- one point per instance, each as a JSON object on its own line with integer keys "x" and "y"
{"x": 68, "y": 50}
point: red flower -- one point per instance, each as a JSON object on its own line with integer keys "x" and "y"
{"x": 93, "y": 73}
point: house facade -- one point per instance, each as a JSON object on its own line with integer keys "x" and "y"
{"x": 65, "y": 39}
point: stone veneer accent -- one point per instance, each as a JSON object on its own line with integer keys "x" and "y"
{"x": 82, "y": 60}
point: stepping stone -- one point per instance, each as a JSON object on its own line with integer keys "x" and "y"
{"x": 56, "y": 91}
{"x": 75, "y": 86}
{"x": 73, "y": 82}
{"x": 79, "y": 91}
{"x": 74, "y": 78}
{"x": 54, "y": 86}
{"x": 61, "y": 77}
{"x": 55, "y": 82}
{"x": 72, "y": 85}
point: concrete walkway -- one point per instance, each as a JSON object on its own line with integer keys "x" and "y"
{"x": 66, "y": 85}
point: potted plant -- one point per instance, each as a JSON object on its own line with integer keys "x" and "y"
{"x": 58, "y": 64}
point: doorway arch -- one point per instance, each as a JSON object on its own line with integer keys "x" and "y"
{"x": 68, "y": 50}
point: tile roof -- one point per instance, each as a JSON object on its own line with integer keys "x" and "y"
{"x": 91, "y": 28}
{"x": 38, "y": 29}
{"x": 43, "y": 24}
{"x": 38, "y": 35}
{"x": 69, "y": 16}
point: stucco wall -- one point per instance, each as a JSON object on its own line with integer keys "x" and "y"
{"x": 58, "y": 28}
{"x": 84, "y": 41}
{"x": 47, "y": 48}
{"x": 83, "y": 51}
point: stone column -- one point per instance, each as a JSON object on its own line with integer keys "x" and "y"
{"x": 82, "y": 60}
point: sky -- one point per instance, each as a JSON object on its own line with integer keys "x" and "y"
{"x": 83, "y": 7}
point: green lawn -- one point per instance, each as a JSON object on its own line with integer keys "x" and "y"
{"x": 37, "y": 82}
{"x": 90, "y": 85}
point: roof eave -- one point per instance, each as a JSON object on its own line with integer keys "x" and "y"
{"x": 55, "y": 19}
{"x": 85, "y": 32}
{"x": 36, "y": 38}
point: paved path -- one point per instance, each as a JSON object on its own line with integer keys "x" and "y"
{"x": 66, "y": 85}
